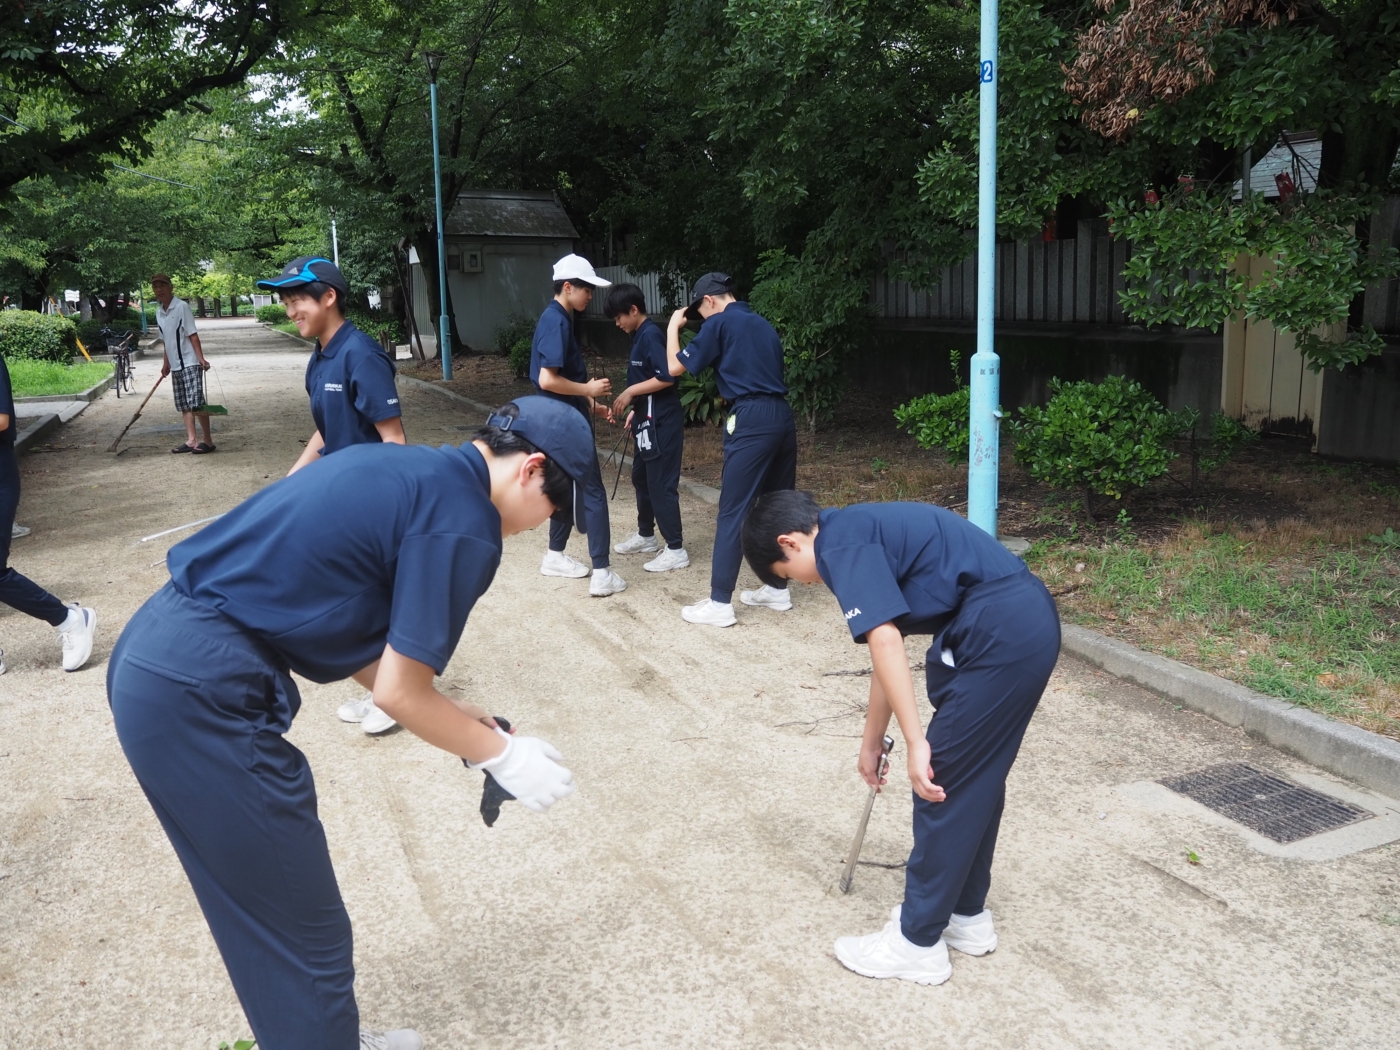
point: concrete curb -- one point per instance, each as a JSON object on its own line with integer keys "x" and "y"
{"x": 1366, "y": 758}
{"x": 704, "y": 493}
{"x": 309, "y": 344}
{"x": 41, "y": 426}
{"x": 92, "y": 393}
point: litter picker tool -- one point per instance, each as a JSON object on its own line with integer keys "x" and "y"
{"x": 113, "y": 446}
{"x": 886, "y": 746}
{"x": 492, "y": 794}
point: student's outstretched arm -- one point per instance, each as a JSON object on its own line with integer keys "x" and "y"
{"x": 892, "y": 691}
{"x": 310, "y": 454}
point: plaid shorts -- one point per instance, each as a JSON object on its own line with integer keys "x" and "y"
{"x": 189, "y": 388}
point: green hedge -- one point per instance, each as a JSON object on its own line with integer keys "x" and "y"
{"x": 36, "y": 336}
{"x": 273, "y": 313}
{"x": 90, "y": 332}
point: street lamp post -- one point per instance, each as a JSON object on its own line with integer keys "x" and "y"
{"x": 984, "y": 453}
{"x": 434, "y": 60}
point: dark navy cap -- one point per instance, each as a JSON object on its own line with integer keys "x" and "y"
{"x": 307, "y": 270}
{"x": 558, "y": 430}
{"x": 715, "y": 283}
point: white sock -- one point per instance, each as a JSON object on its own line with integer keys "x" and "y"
{"x": 601, "y": 572}
{"x": 74, "y": 621}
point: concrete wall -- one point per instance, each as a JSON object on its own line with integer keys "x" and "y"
{"x": 516, "y": 277}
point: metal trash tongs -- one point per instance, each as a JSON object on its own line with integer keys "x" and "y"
{"x": 886, "y": 746}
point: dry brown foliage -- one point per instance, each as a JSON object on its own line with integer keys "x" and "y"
{"x": 1153, "y": 51}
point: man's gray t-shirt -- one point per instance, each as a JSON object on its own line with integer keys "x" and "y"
{"x": 176, "y": 326}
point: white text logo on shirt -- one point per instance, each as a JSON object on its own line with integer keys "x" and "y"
{"x": 393, "y": 401}
{"x": 853, "y": 613}
{"x": 336, "y": 387}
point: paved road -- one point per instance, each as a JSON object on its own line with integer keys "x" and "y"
{"x": 685, "y": 896}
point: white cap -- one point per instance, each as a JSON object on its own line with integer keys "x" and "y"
{"x": 576, "y": 268}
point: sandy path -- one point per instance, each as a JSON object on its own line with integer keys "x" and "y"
{"x": 685, "y": 896}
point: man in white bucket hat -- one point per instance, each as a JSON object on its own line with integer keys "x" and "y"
{"x": 558, "y": 370}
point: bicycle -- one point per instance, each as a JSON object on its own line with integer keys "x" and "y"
{"x": 119, "y": 346}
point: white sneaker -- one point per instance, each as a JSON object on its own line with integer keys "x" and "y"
{"x": 557, "y": 563}
{"x": 969, "y": 934}
{"x": 768, "y": 598}
{"x": 355, "y": 710}
{"x": 16, "y": 531}
{"x": 75, "y": 635}
{"x": 670, "y": 558}
{"x": 888, "y": 954}
{"x": 606, "y": 582}
{"x": 376, "y": 721}
{"x": 2, "y": 661}
{"x": 398, "y": 1039}
{"x": 710, "y": 612}
{"x": 638, "y": 544}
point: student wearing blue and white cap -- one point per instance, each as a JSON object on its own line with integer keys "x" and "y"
{"x": 898, "y": 569}
{"x": 202, "y": 694}
{"x": 760, "y": 435}
{"x": 558, "y": 370}
{"x": 350, "y": 381}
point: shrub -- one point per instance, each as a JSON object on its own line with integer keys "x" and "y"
{"x": 36, "y": 336}
{"x": 1101, "y": 438}
{"x": 519, "y": 355}
{"x": 377, "y": 324}
{"x": 516, "y": 328}
{"x": 938, "y": 421}
{"x": 272, "y": 313}
{"x": 700, "y": 398}
{"x": 90, "y": 332}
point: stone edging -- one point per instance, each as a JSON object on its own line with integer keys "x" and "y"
{"x": 92, "y": 393}
{"x": 1367, "y": 758}
{"x": 704, "y": 493}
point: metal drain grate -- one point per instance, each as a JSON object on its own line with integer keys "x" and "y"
{"x": 1264, "y": 802}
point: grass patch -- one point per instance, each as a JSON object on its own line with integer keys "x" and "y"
{"x": 287, "y": 327}
{"x": 1278, "y": 609}
{"x": 45, "y": 378}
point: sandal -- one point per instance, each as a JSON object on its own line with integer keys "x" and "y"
{"x": 182, "y": 447}
{"x": 202, "y": 449}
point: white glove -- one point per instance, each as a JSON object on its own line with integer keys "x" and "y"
{"x": 529, "y": 769}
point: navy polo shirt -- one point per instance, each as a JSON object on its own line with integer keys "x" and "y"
{"x": 381, "y": 543}
{"x": 745, "y": 350}
{"x": 906, "y": 563}
{"x": 554, "y": 346}
{"x": 350, "y": 381}
{"x": 648, "y": 361}
{"x": 7, "y": 406}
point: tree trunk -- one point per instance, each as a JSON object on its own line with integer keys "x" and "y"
{"x": 1088, "y": 502}
{"x": 233, "y": 305}
{"x": 425, "y": 241}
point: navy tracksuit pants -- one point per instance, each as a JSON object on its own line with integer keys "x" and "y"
{"x": 20, "y": 592}
{"x": 760, "y": 455}
{"x": 657, "y": 480}
{"x": 1005, "y": 639}
{"x": 595, "y": 513}
{"x": 200, "y": 709}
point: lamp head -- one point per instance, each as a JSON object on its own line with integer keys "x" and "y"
{"x": 434, "y": 61}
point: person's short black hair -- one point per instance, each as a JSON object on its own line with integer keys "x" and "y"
{"x": 316, "y": 289}
{"x": 621, "y": 298}
{"x": 772, "y": 515}
{"x": 559, "y": 285}
{"x": 558, "y": 486}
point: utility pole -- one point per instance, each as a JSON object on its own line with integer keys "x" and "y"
{"x": 335, "y": 242}
{"x": 984, "y": 453}
{"x": 434, "y": 60}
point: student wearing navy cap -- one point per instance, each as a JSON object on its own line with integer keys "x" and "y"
{"x": 760, "y": 436}
{"x": 350, "y": 381}
{"x": 202, "y": 694}
{"x": 658, "y": 427}
{"x": 912, "y": 568}
{"x": 349, "y": 378}
{"x": 558, "y": 370}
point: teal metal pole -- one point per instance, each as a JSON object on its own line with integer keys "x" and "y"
{"x": 444, "y": 342}
{"x": 984, "y": 455}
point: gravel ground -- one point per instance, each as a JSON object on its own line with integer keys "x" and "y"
{"x": 685, "y": 896}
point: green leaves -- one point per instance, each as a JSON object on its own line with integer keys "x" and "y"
{"x": 1104, "y": 438}
{"x": 699, "y": 397}
{"x": 36, "y": 336}
{"x": 939, "y": 421}
{"x": 1185, "y": 249}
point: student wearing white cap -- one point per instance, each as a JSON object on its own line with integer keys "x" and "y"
{"x": 558, "y": 370}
